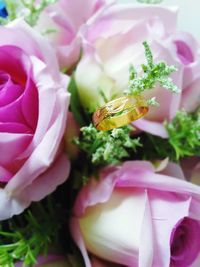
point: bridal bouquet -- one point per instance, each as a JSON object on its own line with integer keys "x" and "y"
{"x": 99, "y": 135}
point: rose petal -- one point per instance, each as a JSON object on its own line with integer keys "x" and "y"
{"x": 164, "y": 206}
{"x": 14, "y": 204}
{"x": 12, "y": 145}
{"x": 36, "y": 44}
{"x": 13, "y": 127}
{"x": 5, "y": 175}
{"x": 191, "y": 96}
{"x": 146, "y": 249}
{"x": 46, "y": 183}
{"x": 185, "y": 242}
{"x": 44, "y": 154}
{"x": 47, "y": 91}
{"x": 29, "y": 104}
{"x": 77, "y": 236}
{"x": 174, "y": 170}
{"x": 6, "y": 87}
{"x": 155, "y": 128}
{"x": 100, "y": 234}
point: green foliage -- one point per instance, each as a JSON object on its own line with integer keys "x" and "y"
{"x": 153, "y": 73}
{"x": 184, "y": 134}
{"x": 107, "y": 147}
{"x": 183, "y": 140}
{"x": 155, "y": 148}
{"x": 24, "y": 242}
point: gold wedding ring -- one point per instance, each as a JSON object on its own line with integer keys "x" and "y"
{"x": 120, "y": 112}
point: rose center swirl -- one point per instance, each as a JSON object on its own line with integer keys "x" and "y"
{"x": 185, "y": 242}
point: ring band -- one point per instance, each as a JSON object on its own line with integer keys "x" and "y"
{"x": 120, "y": 112}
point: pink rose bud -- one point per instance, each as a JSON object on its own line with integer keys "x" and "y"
{"x": 136, "y": 216}
{"x": 113, "y": 41}
{"x": 33, "y": 113}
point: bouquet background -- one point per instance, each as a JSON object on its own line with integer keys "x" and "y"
{"x": 72, "y": 195}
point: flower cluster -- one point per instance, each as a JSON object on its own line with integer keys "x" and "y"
{"x": 73, "y": 195}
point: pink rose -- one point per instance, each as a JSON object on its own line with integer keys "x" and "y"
{"x": 113, "y": 41}
{"x": 66, "y": 17}
{"x": 33, "y": 111}
{"x": 135, "y": 215}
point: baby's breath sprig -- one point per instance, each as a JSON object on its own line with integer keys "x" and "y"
{"x": 153, "y": 73}
{"x": 107, "y": 147}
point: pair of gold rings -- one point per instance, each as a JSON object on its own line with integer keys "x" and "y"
{"x": 120, "y": 112}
